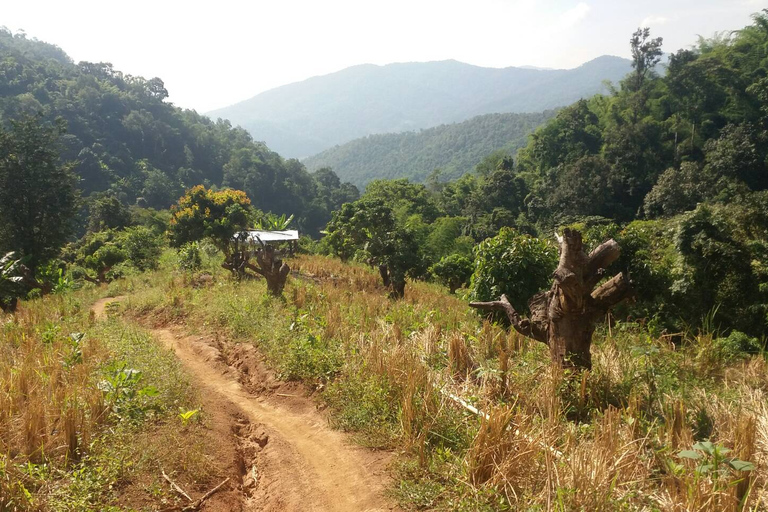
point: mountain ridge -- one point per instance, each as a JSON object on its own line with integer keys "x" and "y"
{"x": 304, "y": 118}
{"x": 454, "y": 148}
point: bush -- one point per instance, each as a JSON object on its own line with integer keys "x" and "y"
{"x": 189, "y": 256}
{"x": 735, "y": 346}
{"x": 453, "y": 271}
{"x": 512, "y": 264}
{"x": 143, "y": 247}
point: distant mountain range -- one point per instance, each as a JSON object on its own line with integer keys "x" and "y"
{"x": 305, "y": 118}
{"x": 455, "y": 149}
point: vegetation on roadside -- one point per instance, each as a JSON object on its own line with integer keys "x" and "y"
{"x": 616, "y": 437}
{"x": 88, "y": 411}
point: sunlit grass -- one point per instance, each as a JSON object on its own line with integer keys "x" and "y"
{"x": 607, "y": 439}
{"x": 68, "y": 440}
{"x": 601, "y": 440}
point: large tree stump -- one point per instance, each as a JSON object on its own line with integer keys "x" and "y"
{"x": 272, "y": 267}
{"x": 564, "y": 317}
{"x": 269, "y": 264}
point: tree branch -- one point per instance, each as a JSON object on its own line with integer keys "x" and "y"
{"x": 256, "y": 269}
{"x": 520, "y": 324}
{"x": 612, "y": 292}
{"x": 600, "y": 258}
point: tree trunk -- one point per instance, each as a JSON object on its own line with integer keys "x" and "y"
{"x": 564, "y": 317}
{"x": 236, "y": 262}
{"x": 384, "y": 273}
{"x": 9, "y": 304}
{"x": 272, "y": 267}
{"x": 398, "y": 289}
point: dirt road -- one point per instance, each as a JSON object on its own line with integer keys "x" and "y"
{"x": 292, "y": 460}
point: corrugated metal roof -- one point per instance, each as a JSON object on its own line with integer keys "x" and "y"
{"x": 273, "y": 236}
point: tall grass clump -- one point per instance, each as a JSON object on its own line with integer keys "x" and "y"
{"x": 75, "y": 395}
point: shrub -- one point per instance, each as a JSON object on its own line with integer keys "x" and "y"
{"x": 143, "y": 247}
{"x": 453, "y": 271}
{"x": 189, "y": 256}
{"x": 512, "y": 264}
{"x": 735, "y": 346}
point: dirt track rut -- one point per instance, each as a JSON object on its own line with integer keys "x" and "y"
{"x": 305, "y": 465}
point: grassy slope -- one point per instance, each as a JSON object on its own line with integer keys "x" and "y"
{"x": 69, "y": 441}
{"x": 607, "y": 439}
{"x": 604, "y": 440}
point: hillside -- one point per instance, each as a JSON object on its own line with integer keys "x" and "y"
{"x": 128, "y": 141}
{"x": 455, "y": 149}
{"x": 305, "y": 118}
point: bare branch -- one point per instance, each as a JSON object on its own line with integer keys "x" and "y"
{"x": 600, "y": 258}
{"x": 175, "y": 486}
{"x": 612, "y": 292}
{"x": 520, "y": 324}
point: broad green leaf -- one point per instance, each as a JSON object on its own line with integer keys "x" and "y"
{"x": 689, "y": 454}
{"x": 705, "y": 446}
{"x": 741, "y": 465}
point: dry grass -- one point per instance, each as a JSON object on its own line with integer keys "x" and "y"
{"x": 64, "y": 445}
{"x": 50, "y": 409}
{"x": 607, "y": 439}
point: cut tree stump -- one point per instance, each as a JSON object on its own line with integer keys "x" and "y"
{"x": 269, "y": 263}
{"x": 272, "y": 267}
{"x": 564, "y": 317}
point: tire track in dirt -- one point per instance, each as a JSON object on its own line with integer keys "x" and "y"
{"x": 303, "y": 465}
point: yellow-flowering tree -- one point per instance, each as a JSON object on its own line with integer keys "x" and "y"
{"x": 203, "y": 213}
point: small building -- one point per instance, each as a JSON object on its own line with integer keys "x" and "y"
{"x": 289, "y": 236}
{"x": 272, "y": 237}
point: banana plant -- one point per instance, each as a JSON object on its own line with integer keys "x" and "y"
{"x": 272, "y": 222}
{"x": 10, "y": 282}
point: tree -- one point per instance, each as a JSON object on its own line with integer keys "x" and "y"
{"x": 453, "y": 271}
{"x": 512, "y": 264}
{"x": 270, "y": 264}
{"x": 369, "y": 230}
{"x": 99, "y": 253}
{"x": 564, "y": 317}
{"x": 215, "y": 215}
{"x": 717, "y": 271}
{"x": 38, "y": 199}
{"x": 738, "y": 154}
{"x": 142, "y": 245}
{"x": 107, "y": 212}
{"x": 588, "y": 186}
{"x": 677, "y": 190}
{"x": 402, "y": 196}
{"x": 646, "y": 53}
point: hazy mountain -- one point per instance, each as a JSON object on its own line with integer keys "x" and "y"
{"x": 304, "y": 118}
{"x": 453, "y": 148}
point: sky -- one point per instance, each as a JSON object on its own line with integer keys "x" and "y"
{"x": 214, "y": 53}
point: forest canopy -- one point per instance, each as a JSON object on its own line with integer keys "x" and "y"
{"x": 126, "y": 140}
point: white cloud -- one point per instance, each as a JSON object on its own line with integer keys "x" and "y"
{"x": 654, "y": 21}
{"x": 574, "y": 15}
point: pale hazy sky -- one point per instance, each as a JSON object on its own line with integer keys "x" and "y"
{"x": 214, "y": 53}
